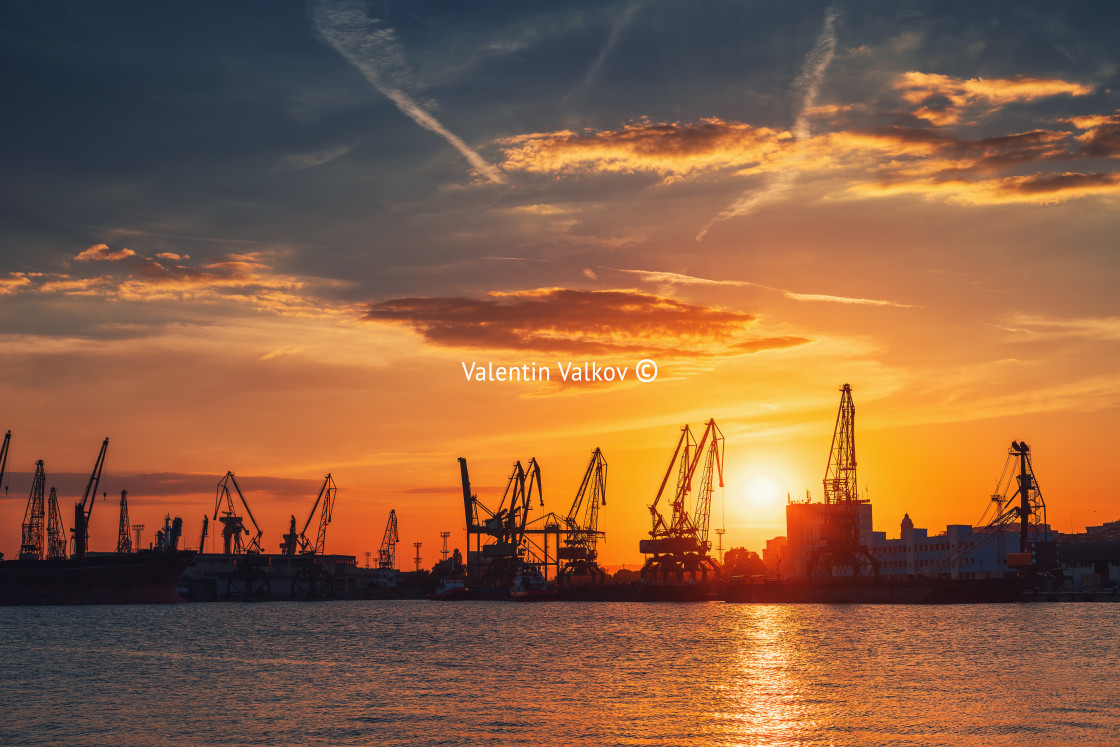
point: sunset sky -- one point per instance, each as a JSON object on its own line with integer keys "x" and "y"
{"x": 266, "y": 237}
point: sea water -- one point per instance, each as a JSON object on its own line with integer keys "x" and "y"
{"x": 497, "y": 673}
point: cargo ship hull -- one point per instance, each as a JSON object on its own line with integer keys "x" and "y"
{"x": 140, "y": 578}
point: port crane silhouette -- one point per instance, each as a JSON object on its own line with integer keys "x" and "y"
{"x": 324, "y": 504}
{"x": 679, "y": 547}
{"x": 233, "y": 525}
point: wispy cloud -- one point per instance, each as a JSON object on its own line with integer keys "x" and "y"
{"x": 618, "y": 25}
{"x": 674, "y": 278}
{"x": 844, "y": 299}
{"x": 808, "y": 85}
{"x": 300, "y": 161}
{"x": 372, "y": 48}
{"x": 1038, "y": 327}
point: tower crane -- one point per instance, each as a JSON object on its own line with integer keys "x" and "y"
{"x": 83, "y": 510}
{"x": 233, "y": 525}
{"x": 387, "y": 555}
{"x": 201, "y": 536}
{"x": 840, "y": 546}
{"x": 581, "y": 527}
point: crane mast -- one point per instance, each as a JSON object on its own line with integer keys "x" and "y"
{"x": 124, "y": 529}
{"x": 83, "y": 510}
{"x": 56, "y": 533}
{"x": 841, "y": 550}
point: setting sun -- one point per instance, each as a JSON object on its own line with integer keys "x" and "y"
{"x": 763, "y": 490}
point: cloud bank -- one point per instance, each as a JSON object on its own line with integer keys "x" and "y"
{"x": 562, "y": 320}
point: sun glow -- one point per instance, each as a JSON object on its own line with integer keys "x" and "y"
{"x": 763, "y": 490}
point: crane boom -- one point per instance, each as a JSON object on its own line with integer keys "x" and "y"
{"x": 84, "y": 510}
{"x": 4, "y": 459}
{"x": 387, "y": 555}
{"x": 329, "y": 490}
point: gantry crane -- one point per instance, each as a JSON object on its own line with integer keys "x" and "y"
{"x": 56, "y": 533}
{"x": 233, "y": 525}
{"x": 581, "y": 527}
{"x": 680, "y": 549}
{"x": 32, "y": 545}
{"x": 841, "y": 551}
{"x": 387, "y": 555}
{"x": 83, "y": 510}
{"x": 493, "y": 563}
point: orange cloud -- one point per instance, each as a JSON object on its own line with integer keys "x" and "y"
{"x": 246, "y": 278}
{"x": 942, "y": 99}
{"x": 104, "y": 253}
{"x": 1039, "y": 189}
{"x": 15, "y": 281}
{"x": 930, "y": 160}
{"x": 670, "y": 150}
{"x": 577, "y": 321}
{"x": 1101, "y": 136}
{"x": 74, "y": 286}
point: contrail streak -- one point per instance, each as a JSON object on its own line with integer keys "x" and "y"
{"x": 372, "y": 48}
{"x": 808, "y": 84}
{"x": 617, "y": 27}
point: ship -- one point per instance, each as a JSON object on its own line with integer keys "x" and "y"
{"x": 451, "y": 588}
{"x": 146, "y": 577}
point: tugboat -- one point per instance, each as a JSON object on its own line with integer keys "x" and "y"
{"x": 451, "y": 588}
{"x": 530, "y": 586}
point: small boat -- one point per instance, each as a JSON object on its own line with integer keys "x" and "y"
{"x": 451, "y": 588}
{"x": 530, "y": 586}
